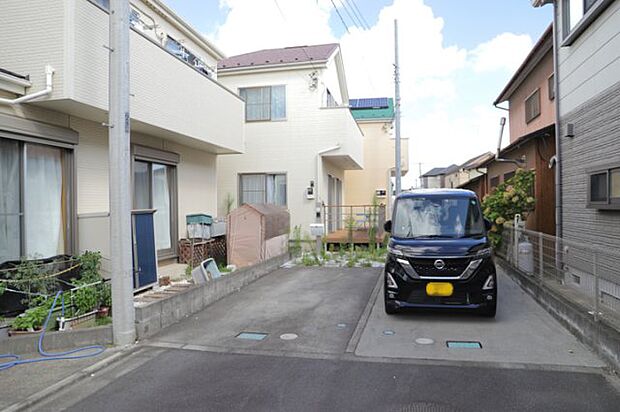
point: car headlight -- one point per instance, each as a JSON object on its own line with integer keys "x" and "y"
{"x": 471, "y": 268}
{"x": 483, "y": 253}
{"x": 395, "y": 251}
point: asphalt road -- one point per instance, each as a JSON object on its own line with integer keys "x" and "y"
{"x": 341, "y": 360}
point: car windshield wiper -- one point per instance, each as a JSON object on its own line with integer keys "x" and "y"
{"x": 470, "y": 235}
{"x": 432, "y": 237}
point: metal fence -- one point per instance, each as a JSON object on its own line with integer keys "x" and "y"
{"x": 582, "y": 272}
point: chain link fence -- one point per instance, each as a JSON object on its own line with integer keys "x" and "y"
{"x": 583, "y": 273}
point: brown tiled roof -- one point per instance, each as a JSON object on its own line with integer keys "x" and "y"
{"x": 286, "y": 55}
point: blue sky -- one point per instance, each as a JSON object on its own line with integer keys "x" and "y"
{"x": 456, "y": 56}
{"x": 467, "y": 22}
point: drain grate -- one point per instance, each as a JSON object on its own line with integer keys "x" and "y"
{"x": 458, "y": 344}
{"x": 251, "y": 335}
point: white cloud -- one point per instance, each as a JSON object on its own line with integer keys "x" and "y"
{"x": 442, "y": 130}
{"x": 262, "y": 24}
{"x": 506, "y": 51}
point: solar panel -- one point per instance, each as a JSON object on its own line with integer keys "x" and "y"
{"x": 369, "y": 103}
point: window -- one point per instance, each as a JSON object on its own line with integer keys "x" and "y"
{"x": 261, "y": 188}
{"x": 604, "y": 189}
{"x": 598, "y": 187}
{"x": 264, "y": 103}
{"x": 532, "y": 106}
{"x": 614, "y": 185}
{"x": 155, "y": 188}
{"x": 578, "y": 14}
{"x": 34, "y": 200}
{"x": 494, "y": 182}
{"x": 508, "y": 176}
{"x": 551, "y": 87}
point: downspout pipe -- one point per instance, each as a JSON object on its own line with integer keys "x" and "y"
{"x": 558, "y": 126}
{"x": 49, "y": 73}
{"x": 502, "y": 124}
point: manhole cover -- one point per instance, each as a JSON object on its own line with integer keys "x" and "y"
{"x": 424, "y": 341}
{"x": 389, "y": 332}
{"x": 288, "y": 336}
{"x": 456, "y": 344}
{"x": 252, "y": 335}
{"x": 341, "y": 325}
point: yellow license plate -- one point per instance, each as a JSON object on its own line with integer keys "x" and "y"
{"x": 439, "y": 289}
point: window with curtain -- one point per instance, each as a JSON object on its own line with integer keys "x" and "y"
{"x": 154, "y": 188}
{"x": 264, "y": 103}
{"x": 33, "y": 200}
{"x": 263, "y": 188}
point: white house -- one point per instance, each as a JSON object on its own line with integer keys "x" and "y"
{"x": 54, "y": 148}
{"x": 300, "y": 134}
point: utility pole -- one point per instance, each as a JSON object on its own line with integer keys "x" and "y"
{"x": 123, "y": 317}
{"x": 397, "y": 169}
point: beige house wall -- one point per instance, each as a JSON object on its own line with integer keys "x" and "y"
{"x": 291, "y": 146}
{"x": 537, "y": 80}
{"x": 379, "y": 149}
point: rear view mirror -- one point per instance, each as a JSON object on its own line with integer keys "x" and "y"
{"x": 487, "y": 224}
{"x": 387, "y": 226}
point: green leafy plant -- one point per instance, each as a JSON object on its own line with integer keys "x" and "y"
{"x": 29, "y": 278}
{"x": 373, "y": 221}
{"x": 229, "y": 202}
{"x": 34, "y": 317}
{"x": 93, "y": 292}
{"x": 295, "y": 247}
{"x": 349, "y": 224}
{"x": 510, "y": 198}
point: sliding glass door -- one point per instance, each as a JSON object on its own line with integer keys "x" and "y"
{"x": 155, "y": 188}
{"x": 33, "y": 200}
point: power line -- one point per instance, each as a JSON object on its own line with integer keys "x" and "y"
{"x": 360, "y": 14}
{"x": 344, "y": 7}
{"x": 357, "y": 15}
{"x": 279, "y": 9}
{"x": 340, "y": 15}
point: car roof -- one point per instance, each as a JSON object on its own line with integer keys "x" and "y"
{"x": 437, "y": 192}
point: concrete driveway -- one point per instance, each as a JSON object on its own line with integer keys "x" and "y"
{"x": 321, "y": 306}
{"x": 522, "y": 333}
{"x": 341, "y": 360}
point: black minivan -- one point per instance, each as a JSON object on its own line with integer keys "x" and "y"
{"x": 439, "y": 255}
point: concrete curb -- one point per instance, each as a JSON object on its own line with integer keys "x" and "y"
{"x": 601, "y": 336}
{"x": 35, "y": 398}
{"x": 155, "y": 316}
{"x": 363, "y": 320}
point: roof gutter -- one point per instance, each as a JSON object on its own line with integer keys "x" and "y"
{"x": 49, "y": 72}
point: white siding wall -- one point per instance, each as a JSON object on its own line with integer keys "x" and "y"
{"x": 289, "y": 146}
{"x": 591, "y": 64}
{"x": 169, "y": 98}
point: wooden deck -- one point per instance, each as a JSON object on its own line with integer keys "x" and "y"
{"x": 360, "y": 237}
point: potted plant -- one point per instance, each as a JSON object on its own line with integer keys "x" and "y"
{"x": 105, "y": 300}
{"x": 31, "y": 320}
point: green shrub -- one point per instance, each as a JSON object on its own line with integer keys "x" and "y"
{"x": 510, "y": 198}
{"x": 34, "y": 317}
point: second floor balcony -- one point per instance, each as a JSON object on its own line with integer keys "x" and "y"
{"x": 170, "y": 97}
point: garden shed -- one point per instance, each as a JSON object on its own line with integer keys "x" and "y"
{"x": 257, "y": 233}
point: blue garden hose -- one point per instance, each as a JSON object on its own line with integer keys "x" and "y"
{"x": 46, "y": 356}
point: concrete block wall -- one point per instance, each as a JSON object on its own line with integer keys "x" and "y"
{"x": 154, "y": 316}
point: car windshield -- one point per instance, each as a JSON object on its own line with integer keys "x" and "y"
{"x": 436, "y": 217}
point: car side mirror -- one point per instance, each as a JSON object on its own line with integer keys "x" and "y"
{"x": 487, "y": 224}
{"x": 387, "y": 226}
